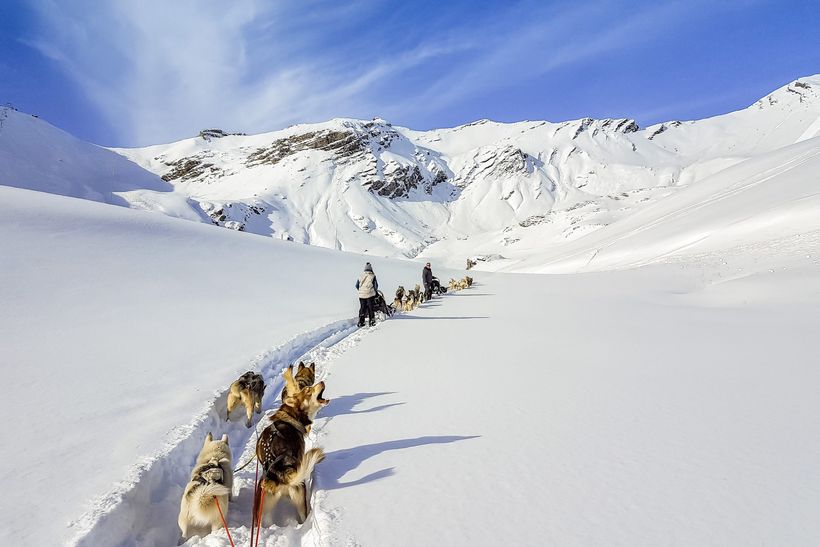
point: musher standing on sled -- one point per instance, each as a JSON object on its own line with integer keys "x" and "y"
{"x": 367, "y": 286}
{"x": 427, "y": 279}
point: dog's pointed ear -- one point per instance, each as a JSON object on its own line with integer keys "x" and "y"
{"x": 301, "y": 366}
{"x": 313, "y": 367}
{"x": 290, "y": 384}
{"x": 225, "y": 438}
{"x": 209, "y": 437}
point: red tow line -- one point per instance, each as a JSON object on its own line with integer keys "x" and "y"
{"x": 259, "y": 518}
{"x": 224, "y": 522}
{"x": 256, "y": 489}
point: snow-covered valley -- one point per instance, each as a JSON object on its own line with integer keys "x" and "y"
{"x": 637, "y": 371}
{"x": 497, "y": 192}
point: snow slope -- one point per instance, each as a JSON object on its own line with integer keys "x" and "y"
{"x": 770, "y": 196}
{"x": 119, "y": 328}
{"x": 648, "y": 407}
{"x": 37, "y": 156}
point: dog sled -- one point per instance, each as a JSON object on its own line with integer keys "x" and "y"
{"x": 436, "y": 287}
{"x": 380, "y": 304}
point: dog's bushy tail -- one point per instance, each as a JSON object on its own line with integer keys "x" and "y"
{"x": 204, "y": 495}
{"x": 309, "y": 461}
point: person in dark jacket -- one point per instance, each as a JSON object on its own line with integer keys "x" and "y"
{"x": 367, "y": 285}
{"x": 427, "y": 279}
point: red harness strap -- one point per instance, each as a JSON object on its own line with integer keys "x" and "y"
{"x": 259, "y": 519}
{"x": 224, "y": 522}
{"x": 255, "y": 493}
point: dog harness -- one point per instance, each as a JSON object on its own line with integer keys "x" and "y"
{"x": 212, "y": 465}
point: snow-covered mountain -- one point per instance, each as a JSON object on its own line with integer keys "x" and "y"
{"x": 488, "y": 190}
{"x": 484, "y": 188}
{"x": 676, "y": 400}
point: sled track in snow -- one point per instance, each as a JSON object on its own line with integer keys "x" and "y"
{"x": 142, "y": 509}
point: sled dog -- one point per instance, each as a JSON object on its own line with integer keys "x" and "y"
{"x": 398, "y": 302}
{"x": 304, "y": 377}
{"x": 286, "y": 466}
{"x": 211, "y": 480}
{"x": 248, "y": 390}
{"x": 410, "y": 302}
{"x": 469, "y": 281}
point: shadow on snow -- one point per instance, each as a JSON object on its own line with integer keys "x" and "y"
{"x": 340, "y": 406}
{"x": 340, "y": 462}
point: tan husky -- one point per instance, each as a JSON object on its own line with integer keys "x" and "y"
{"x": 286, "y": 466}
{"x": 410, "y": 301}
{"x": 248, "y": 390}
{"x": 398, "y": 303}
{"x": 211, "y": 480}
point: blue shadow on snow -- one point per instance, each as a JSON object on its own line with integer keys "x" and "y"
{"x": 340, "y": 406}
{"x": 340, "y": 462}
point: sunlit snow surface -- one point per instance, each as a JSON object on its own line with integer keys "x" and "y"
{"x": 660, "y": 390}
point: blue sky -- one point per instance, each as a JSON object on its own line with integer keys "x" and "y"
{"x": 138, "y": 72}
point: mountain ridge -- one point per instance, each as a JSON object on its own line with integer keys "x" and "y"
{"x": 480, "y": 190}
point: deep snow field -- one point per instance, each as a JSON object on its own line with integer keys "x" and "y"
{"x": 672, "y": 404}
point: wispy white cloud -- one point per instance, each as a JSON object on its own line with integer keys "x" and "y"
{"x": 160, "y": 70}
{"x": 529, "y": 43}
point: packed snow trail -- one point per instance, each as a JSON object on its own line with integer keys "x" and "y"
{"x": 145, "y": 513}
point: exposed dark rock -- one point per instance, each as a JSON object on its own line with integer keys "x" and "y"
{"x": 231, "y": 215}
{"x": 398, "y": 182}
{"x": 627, "y": 126}
{"x": 343, "y": 143}
{"x": 360, "y": 142}
{"x": 801, "y": 95}
{"x": 214, "y": 133}
{"x": 439, "y": 177}
{"x": 582, "y": 126}
{"x": 534, "y": 220}
{"x": 189, "y": 168}
{"x": 511, "y": 160}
